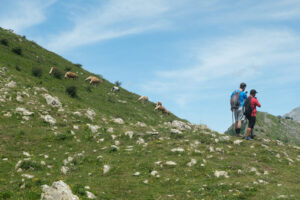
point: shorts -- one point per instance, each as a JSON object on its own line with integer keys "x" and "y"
{"x": 252, "y": 121}
{"x": 238, "y": 114}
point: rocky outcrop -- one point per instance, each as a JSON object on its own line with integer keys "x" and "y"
{"x": 48, "y": 119}
{"x": 53, "y": 101}
{"x": 58, "y": 191}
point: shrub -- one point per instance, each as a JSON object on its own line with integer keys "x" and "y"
{"x": 18, "y": 68}
{"x": 57, "y": 74}
{"x": 88, "y": 88}
{"x": 118, "y": 83}
{"x": 17, "y": 51}
{"x": 78, "y": 65}
{"x": 37, "y": 71}
{"x": 72, "y": 91}
{"x": 4, "y": 42}
{"x": 79, "y": 189}
{"x": 28, "y": 164}
{"x": 68, "y": 69}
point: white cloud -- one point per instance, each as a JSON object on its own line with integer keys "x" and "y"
{"x": 19, "y": 15}
{"x": 247, "y": 55}
{"x": 114, "y": 19}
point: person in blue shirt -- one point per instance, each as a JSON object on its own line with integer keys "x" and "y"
{"x": 239, "y": 112}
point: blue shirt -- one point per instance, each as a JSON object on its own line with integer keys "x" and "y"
{"x": 243, "y": 97}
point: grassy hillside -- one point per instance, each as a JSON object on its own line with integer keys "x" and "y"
{"x": 86, "y": 148}
{"x": 269, "y": 126}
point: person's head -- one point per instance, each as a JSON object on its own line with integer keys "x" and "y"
{"x": 243, "y": 86}
{"x": 253, "y": 92}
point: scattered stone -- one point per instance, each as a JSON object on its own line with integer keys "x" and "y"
{"x": 129, "y": 134}
{"x": 19, "y": 99}
{"x": 146, "y": 181}
{"x": 77, "y": 113}
{"x": 192, "y": 162}
{"x": 118, "y": 121}
{"x": 110, "y": 130}
{"x": 90, "y": 114}
{"x": 90, "y": 195}
{"x": 237, "y": 142}
{"x": 26, "y": 154}
{"x": 180, "y": 125}
{"x": 176, "y": 131}
{"x": 155, "y": 173}
{"x": 11, "y": 84}
{"x": 23, "y": 111}
{"x": 136, "y": 174}
{"x": 106, "y": 169}
{"x": 171, "y": 163}
{"x": 29, "y": 176}
{"x": 141, "y": 124}
{"x": 64, "y": 169}
{"x": 179, "y": 149}
{"x": 8, "y": 114}
{"x": 93, "y": 128}
{"x": 140, "y": 141}
{"x": 58, "y": 191}
{"x": 53, "y": 101}
{"x": 221, "y": 173}
{"x": 48, "y": 119}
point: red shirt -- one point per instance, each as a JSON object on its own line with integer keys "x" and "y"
{"x": 254, "y": 103}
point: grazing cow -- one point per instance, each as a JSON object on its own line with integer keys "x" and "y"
{"x": 143, "y": 98}
{"x": 158, "y": 103}
{"x": 52, "y": 70}
{"x": 71, "y": 75}
{"x": 93, "y": 80}
{"x": 162, "y": 109}
{"x": 115, "y": 89}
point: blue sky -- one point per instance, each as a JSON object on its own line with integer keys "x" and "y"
{"x": 188, "y": 54}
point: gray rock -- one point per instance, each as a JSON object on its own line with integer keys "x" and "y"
{"x": 53, "y": 101}
{"x": 48, "y": 119}
{"x": 58, "y": 191}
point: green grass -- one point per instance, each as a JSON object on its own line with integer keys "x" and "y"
{"x": 54, "y": 144}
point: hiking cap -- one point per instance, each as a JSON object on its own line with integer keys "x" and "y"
{"x": 253, "y": 91}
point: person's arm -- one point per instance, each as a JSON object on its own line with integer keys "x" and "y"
{"x": 257, "y": 103}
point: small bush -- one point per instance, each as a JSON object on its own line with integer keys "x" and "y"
{"x": 78, "y": 65}
{"x": 57, "y": 74}
{"x": 61, "y": 136}
{"x": 67, "y": 69}
{"x": 17, "y": 51}
{"x": 118, "y": 83}
{"x": 72, "y": 91}
{"x": 18, "y": 68}
{"x": 5, "y": 194}
{"x": 37, "y": 71}
{"x": 79, "y": 189}
{"x": 88, "y": 88}
{"x": 22, "y": 132}
{"x": 28, "y": 164}
{"x": 4, "y": 42}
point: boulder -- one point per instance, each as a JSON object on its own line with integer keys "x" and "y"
{"x": 11, "y": 84}
{"x": 53, "y": 101}
{"x": 48, "y": 119}
{"x": 90, "y": 195}
{"x": 93, "y": 128}
{"x": 129, "y": 134}
{"x": 90, "y": 114}
{"x": 118, "y": 121}
{"x": 176, "y": 131}
{"x": 23, "y": 111}
{"x": 58, "y": 191}
{"x": 221, "y": 173}
{"x": 180, "y": 125}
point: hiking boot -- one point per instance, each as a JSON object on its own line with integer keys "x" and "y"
{"x": 248, "y": 138}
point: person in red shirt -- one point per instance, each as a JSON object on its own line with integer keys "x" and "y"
{"x": 252, "y": 118}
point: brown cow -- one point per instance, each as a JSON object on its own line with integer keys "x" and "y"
{"x": 93, "y": 80}
{"x": 52, "y": 70}
{"x": 71, "y": 75}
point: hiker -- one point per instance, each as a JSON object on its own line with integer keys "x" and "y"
{"x": 250, "y": 113}
{"x": 237, "y": 100}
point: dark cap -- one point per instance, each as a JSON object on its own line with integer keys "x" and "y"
{"x": 253, "y": 91}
